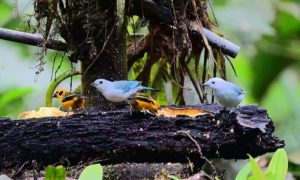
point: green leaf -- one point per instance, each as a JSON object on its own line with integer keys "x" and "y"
{"x": 50, "y": 173}
{"x": 92, "y": 172}
{"x": 55, "y": 83}
{"x": 278, "y": 166}
{"x": 58, "y": 173}
{"x": 173, "y": 177}
{"x": 13, "y": 95}
{"x": 256, "y": 171}
{"x": 244, "y": 172}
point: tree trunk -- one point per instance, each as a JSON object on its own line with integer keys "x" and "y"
{"x": 110, "y": 60}
{"x": 116, "y": 137}
{"x": 96, "y": 32}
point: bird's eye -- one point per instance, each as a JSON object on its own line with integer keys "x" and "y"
{"x": 213, "y": 82}
{"x": 60, "y": 93}
{"x": 100, "y": 82}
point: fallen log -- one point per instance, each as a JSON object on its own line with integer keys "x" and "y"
{"x": 116, "y": 137}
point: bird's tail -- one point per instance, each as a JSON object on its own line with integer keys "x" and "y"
{"x": 149, "y": 89}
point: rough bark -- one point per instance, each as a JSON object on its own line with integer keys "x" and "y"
{"x": 95, "y": 34}
{"x": 115, "y": 137}
{"x": 109, "y": 60}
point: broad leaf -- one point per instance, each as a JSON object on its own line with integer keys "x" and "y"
{"x": 92, "y": 172}
{"x": 278, "y": 166}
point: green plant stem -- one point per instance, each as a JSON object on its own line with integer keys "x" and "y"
{"x": 55, "y": 83}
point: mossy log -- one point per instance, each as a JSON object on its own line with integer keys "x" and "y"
{"x": 117, "y": 137}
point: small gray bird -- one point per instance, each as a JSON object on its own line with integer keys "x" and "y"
{"x": 226, "y": 93}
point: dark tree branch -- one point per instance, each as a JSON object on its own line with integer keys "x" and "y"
{"x": 31, "y": 39}
{"x": 160, "y": 14}
{"x": 227, "y": 47}
{"x": 137, "y": 50}
{"x": 150, "y": 10}
{"x": 143, "y": 8}
{"x": 115, "y": 137}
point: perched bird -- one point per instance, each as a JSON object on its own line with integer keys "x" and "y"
{"x": 119, "y": 91}
{"x": 69, "y": 100}
{"x": 143, "y": 101}
{"x": 226, "y": 93}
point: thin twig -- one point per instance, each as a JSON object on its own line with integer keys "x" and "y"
{"x": 20, "y": 169}
{"x": 200, "y": 152}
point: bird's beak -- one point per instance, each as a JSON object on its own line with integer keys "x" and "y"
{"x": 54, "y": 96}
{"x": 204, "y": 85}
{"x": 93, "y": 84}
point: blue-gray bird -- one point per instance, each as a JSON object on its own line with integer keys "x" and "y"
{"x": 226, "y": 93}
{"x": 119, "y": 91}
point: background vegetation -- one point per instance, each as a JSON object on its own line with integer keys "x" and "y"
{"x": 268, "y": 65}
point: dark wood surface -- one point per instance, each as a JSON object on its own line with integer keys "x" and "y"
{"x": 116, "y": 137}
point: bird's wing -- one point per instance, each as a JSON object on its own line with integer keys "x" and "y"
{"x": 236, "y": 89}
{"x": 126, "y": 86}
{"x": 70, "y": 96}
{"x": 239, "y": 91}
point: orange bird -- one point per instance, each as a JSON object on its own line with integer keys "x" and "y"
{"x": 69, "y": 100}
{"x": 142, "y": 102}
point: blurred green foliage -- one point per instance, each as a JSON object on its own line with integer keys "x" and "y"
{"x": 268, "y": 65}
{"x": 12, "y": 100}
{"x": 277, "y": 169}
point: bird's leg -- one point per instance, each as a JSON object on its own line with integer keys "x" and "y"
{"x": 130, "y": 109}
{"x": 85, "y": 110}
{"x": 68, "y": 111}
{"x": 146, "y": 111}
